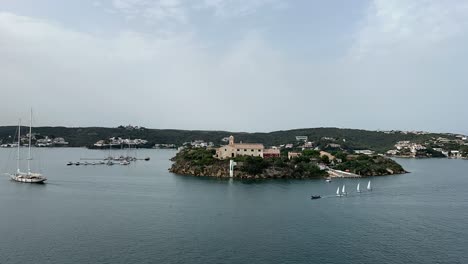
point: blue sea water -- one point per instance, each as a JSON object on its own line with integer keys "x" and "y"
{"x": 141, "y": 213}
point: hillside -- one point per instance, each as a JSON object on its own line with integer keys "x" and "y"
{"x": 346, "y": 138}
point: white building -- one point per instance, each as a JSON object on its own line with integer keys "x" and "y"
{"x": 233, "y": 150}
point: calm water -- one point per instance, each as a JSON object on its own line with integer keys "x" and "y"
{"x": 143, "y": 214}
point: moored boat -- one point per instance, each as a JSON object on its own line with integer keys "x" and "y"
{"x": 26, "y": 177}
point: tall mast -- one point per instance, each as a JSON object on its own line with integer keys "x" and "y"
{"x": 30, "y": 136}
{"x": 19, "y": 141}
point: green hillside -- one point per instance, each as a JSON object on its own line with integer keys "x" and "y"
{"x": 346, "y": 138}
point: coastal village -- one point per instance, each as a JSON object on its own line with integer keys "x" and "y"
{"x": 38, "y": 141}
{"x": 423, "y": 146}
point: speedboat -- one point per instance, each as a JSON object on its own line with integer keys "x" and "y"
{"x": 69, "y": 163}
{"x": 313, "y": 197}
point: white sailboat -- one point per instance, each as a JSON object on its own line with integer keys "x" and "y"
{"x": 369, "y": 186}
{"x": 358, "y": 187}
{"x": 28, "y": 177}
{"x": 343, "y": 191}
{"x": 338, "y": 192}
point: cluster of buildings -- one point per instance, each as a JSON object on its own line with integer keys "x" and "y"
{"x": 165, "y": 146}
{"x": 447, "y": 147}
{"x": 232, "y": 150}
{"x": 199, "y": 144}
{"x": 117, "y": 141}
{"x": 51, "y": 142}
{"x": 130, "y": 127}
{"x": 406, "y": 148}
{"x": 414, "y": 132}
{"x": 38, "y": 141}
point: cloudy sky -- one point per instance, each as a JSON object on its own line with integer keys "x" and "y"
{"x": 244, "y": 65}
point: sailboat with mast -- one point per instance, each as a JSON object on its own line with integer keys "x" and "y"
{"x": 358, "y": 189}
{"x": 338, "y": 192}
{"x": 369, "y": 186}
{"x": 27, "y": 177}
{"x": 343, "y": 190}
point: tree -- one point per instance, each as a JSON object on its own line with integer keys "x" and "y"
{"x": 325, "y": 159}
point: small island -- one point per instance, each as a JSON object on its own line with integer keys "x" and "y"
{"x": 253, "y": 161}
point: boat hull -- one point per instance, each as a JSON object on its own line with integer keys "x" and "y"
{"x": 27, "y": 179}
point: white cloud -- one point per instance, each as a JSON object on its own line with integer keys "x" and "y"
{"x": 405, "y": 70}
{"x": 77, "y": 78}
{"x": 410, "y": 25}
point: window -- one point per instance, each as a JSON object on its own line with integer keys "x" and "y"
{"x": 252, "y": 150}
{"x": 225, "y": 149}
{"x": 245, "y": 149}
{"x": 238, "y": 149}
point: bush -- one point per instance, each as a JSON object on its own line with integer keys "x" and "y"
{"x": 254, "y": 165}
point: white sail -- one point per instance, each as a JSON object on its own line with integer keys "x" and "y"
{"x": 338, "y": 191}
{"x": 368, "y": 186}
{"x": 358, "y": 187}
{"x": 343, "y": 189}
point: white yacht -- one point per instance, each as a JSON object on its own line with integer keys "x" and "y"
{"x": 27, "y": 177}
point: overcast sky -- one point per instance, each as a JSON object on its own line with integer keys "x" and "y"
{"x": 243, "y": 65}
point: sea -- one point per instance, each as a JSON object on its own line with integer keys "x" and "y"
{"x": 141, "y": 213}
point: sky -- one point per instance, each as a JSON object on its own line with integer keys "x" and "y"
{"x": 238, "y": 65}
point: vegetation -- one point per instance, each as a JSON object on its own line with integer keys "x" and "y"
{"x": 365, "y": 165}
{"x": 200, "y": 162}
{"x": 200, "y": 156}
{"x": 348, "y": 139}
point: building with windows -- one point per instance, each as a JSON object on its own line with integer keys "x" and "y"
{"x": 233, "y": 150}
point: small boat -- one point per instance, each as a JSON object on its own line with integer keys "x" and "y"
{"x": 343, "y": 191}
{"x": 93, "y": 163}
{"x": 124, "y": 162}
{"x": 338, "y": 192}
{"x": 328, "y": 180}
{"x": 313, "y": 197}
{"x": 69, "y": 163}
{"x": 86, "y": 163}
{"x": 147, "y": 158}
{"x": 110, "y": 163}
{"x": 78, "y": 164}
{"x": 358, "y": 187}
{"x": 369, "y": 186}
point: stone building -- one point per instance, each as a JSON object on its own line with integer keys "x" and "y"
{"x": 239, "y": 149}
{"x": 271, "y": 153}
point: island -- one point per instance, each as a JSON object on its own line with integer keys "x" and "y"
{"x": 253, "y": 161}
